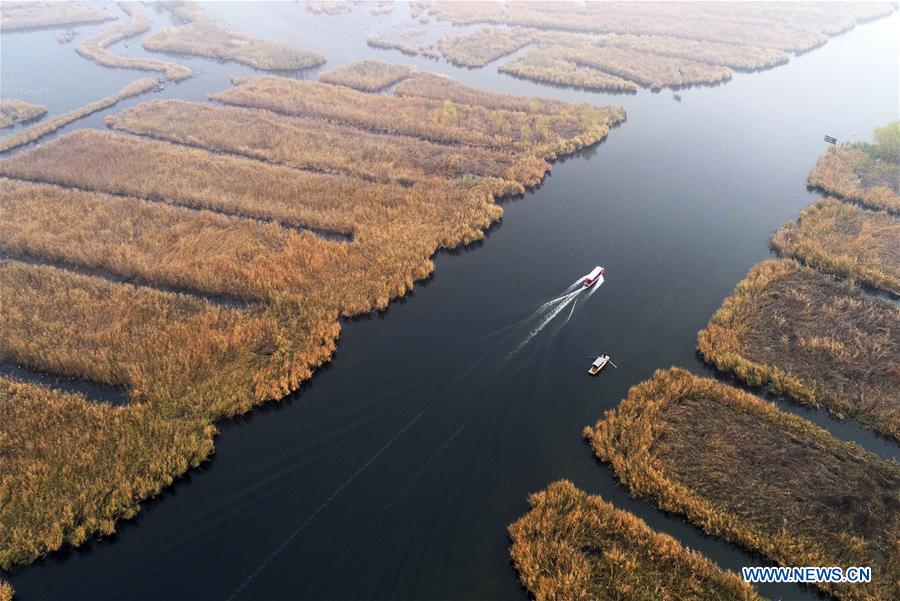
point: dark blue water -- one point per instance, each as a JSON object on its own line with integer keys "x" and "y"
{"x": 395, "y": 473}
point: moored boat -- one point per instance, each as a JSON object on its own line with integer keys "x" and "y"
{"x": 598, "y": 364}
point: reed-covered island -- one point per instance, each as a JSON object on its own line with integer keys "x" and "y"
{"x": 24, "y": 14}
{"x": 679, "y": 440}
{"x": 864, "y": 173}
{"x": 47, "y": 126}
{"x": 622, "y": 46}
{"x": 801, "y": 327}
{"x": 367, "y": 75}
{"x": 96, "y": 48}
{"x": 201, "y": 35}
{"x": 483, "y": 45}
{"x": 845, "y": 240}
{"x": 574, "y": 546}
{"x": 813, "y": 337}
{"x": 14, "y": 111}
{"x": 204, "y": 268}
{"x": 188, "y": 261}
{"x": 819, "y": 339}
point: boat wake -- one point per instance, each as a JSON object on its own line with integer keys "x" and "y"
{"x": 576, "y": 287}
{"x": 572, "y": 311}
{"x": 547, "y": 312}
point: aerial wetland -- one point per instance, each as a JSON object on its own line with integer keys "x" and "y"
{"x": 292, "y": 300}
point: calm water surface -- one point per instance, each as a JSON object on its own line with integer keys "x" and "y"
{"x": 395, "y": 473}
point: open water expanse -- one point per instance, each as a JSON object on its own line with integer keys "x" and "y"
{"x": 396, "y": 471}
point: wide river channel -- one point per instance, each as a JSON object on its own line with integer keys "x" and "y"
{"x": 396, "y": 471}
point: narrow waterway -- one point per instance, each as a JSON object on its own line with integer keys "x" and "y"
{"x": 395, "y": 472}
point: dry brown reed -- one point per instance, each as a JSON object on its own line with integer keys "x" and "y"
{"x": 106, "y": 204}
{"x": 844, "y": 240}
{"x": 439, "y": 121}
{"x": 328, "y": 7}
{"x": 736, "y": 56}
{"x": 650, "y": 70}
{"x": 195, "y": 178}
{"x": 580, "y": 548}
{"x": 200, "y": 35}
{"x": 298, "y": 142}
{"x": 817, "y": 339}
{"x": 16, "y": 111}
{"x": 553, "y": 66}
{"x": 182, "y": 355}
{"x": 95, "y": 50}
{"x": 381, "y": 7}
{"x": 30, "y": 15}
{"x": 477, "y": 11}
{"x": 64, "y": 37}
{"x": 366, "y": 75}
{"x": 412, "y": 221}
{"x": 616, "y": 45}
{"x": 77, "y": 467}
{"x": 740, "y": 468}
{"x": 48, "y": 126}
{"x": 483, "y": 46}
{"x": 441, "y": 87}
{"x": 162, "y": 245}
{"x": 70, "y": 468}
{"x": 379, "y": 42}
{"x": 791, "y": 27}
{"x": 336, "y": 7}
{"x": 851, "y": 173}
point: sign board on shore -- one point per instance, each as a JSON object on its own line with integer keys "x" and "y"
{"x": 830, "y": 140}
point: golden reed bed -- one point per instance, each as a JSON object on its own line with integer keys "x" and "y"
{"x": 297, "y": 142}
{"x": 841, "y": 239}
{"x": 578, "y": 547}
{"x": 815, "y": 338}
{"x": 125, "y": 209}
{"x": 736, "y": 465}
{"x": 742, "y": 469}
{"x": 95, "y": 48}
{"x": 366, "y": 75}
{"x": 618, "y": 46}
{"x": 200, "y": 35}
{"x": 48, "y": 126}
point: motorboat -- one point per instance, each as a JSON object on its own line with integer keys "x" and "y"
{"x": 591, "y": 278}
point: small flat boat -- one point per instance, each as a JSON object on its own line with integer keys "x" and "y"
{"x": 599, "y": 363}
{"x": 591, "y": 278}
